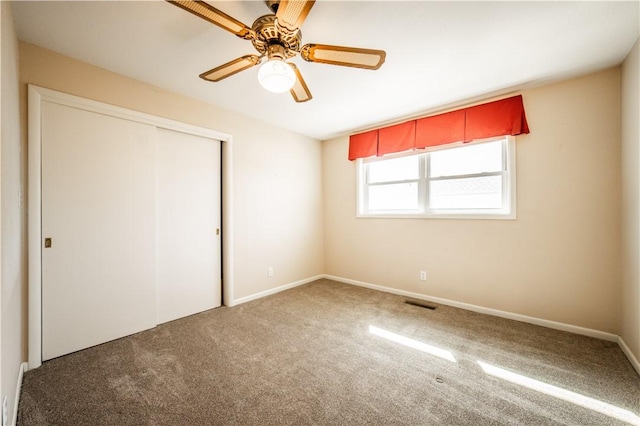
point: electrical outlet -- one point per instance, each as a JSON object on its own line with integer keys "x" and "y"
{"x": 423, "y": 275}
{"x": 5, "y": 412}
{"x": 270, "y": 272}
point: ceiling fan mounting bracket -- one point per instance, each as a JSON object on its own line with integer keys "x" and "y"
{"x": 272, "y": 5}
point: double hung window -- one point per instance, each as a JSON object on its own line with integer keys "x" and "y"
{"x": 473, "y": 180}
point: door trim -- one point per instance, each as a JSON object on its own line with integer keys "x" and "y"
{"x": 37, "y": 95}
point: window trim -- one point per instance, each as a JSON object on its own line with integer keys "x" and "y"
{"x": 508, "y": 186}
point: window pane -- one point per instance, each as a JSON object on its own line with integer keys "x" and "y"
{"x": 397, "y": 169}
{"x": 469, "y": 193}
{"x": 402, "y": 196}
{"x": 469, "y": 159}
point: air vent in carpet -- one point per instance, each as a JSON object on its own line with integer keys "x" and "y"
{"x": 420, "y": 304}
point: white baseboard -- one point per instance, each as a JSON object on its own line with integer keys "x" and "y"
{"x": 634, "y": 361}
{"x": 255, "y": 296}
{"x": 480, "y": 309}
{"x": 21, "y": 371}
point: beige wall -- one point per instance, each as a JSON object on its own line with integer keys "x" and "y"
{"x": 558, "y": 261}
{"x": 630, "y": 325}
{"x": 276, "y": 173}
{"x": 13, "y": 264}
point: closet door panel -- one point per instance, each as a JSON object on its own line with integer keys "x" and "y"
{"x": 188, "y": 217}
{"x": 98, "y": 210}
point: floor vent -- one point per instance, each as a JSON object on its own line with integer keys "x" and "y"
{"x": 420, "y": 304}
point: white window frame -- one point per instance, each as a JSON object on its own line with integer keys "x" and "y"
{"x": 508, "y": 173}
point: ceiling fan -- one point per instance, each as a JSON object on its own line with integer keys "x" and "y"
{"x": 277, "y": 37}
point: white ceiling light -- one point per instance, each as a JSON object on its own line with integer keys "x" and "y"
{"x": 276, "y": 76}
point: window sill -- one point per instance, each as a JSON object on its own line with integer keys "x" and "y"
{"x": 465, "y": 216}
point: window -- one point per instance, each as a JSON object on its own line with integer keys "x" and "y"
{"x": 473, "y": 180}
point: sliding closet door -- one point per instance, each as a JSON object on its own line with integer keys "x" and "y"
{"x": 188, "y": 224}
{"x": 98, "y": 222}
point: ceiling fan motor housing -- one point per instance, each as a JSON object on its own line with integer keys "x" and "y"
{"x": 267, "y": 35}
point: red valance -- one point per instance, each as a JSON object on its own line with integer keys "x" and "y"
{"x": 440, "y": 129}
{"x": 363, "y": 145}
{"x": 498, "y": 118}
{"x": 505, "y": 117}
{"x": 398, "y": 138}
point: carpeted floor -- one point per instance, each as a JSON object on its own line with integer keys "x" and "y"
{"x": 328, "y": 353}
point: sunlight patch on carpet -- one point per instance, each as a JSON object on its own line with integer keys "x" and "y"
{"x": 411, "y": 343}
{"x": 564, "y": 394}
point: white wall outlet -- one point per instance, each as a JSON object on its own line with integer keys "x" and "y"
{"x": 423, "y": 275}
{"x": 5, "y": 412}
{"x": 270, "y": 272}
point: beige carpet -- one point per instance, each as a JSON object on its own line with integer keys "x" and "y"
{"x": 328, "y": 353}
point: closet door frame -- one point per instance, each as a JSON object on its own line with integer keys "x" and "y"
{"x": 37, "y": 95}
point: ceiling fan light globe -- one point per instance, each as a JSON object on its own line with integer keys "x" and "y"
{"x": 276, "y": 76}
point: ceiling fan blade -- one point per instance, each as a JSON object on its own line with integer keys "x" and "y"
{"x": 217, "y": 17}
{"x": 230, "y": 68}
{"x": 291, "y": 14}
{"x": 299, "y": 91}
{"x": 370, "y": 59}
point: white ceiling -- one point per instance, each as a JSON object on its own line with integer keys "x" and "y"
{"x": 438, "y": 53}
